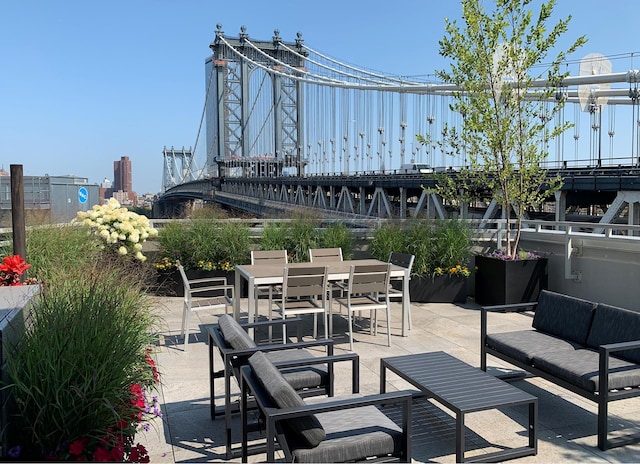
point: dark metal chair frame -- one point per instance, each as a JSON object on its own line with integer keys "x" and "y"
{"x": 273, "y": 416}
{"x": 233, "y": 360}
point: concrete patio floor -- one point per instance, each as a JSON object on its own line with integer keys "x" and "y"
{"x": 566, "y": 422}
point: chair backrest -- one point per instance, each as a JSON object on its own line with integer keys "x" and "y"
{"x": 402, "y": 259}
{"x": 269, "y": 257}
{"x": 369, "y": 278}
{"x": 185, "y": 280}
{"x": 304, "y": 282}
{"x": 317, "y": 255}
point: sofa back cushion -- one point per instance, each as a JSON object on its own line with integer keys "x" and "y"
{"x": 233, "y": 333}
{"x": 307, "y": 429}
{"x": 614, "y": 325}
{"x": 564, "y": 316}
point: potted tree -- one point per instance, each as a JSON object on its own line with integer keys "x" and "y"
{"x": 503, "y": 90}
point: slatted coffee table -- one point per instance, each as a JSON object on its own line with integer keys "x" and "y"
{"x": 463, "y": 389}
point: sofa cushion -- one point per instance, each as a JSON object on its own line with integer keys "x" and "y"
{"x": 352, "y": 435}
{"x": 523, "y": 345}
{"x": 580, "y": 367}
{"x": 614, "y": 325}
{"x": 308, "y": 376}
{"x": 304, "y": 429}
{"x": 564, "y": 316}
{"x": 234, "y": 334}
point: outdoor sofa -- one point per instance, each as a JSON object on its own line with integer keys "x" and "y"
{"x": 592, "y": 349}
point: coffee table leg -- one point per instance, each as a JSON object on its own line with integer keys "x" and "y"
{"x": 459, "y": 437}
{"x": 533, "y": 431}
{"x": 383, "y": 377}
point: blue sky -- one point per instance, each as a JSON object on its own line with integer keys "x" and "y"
{"x": 83, "y": 83}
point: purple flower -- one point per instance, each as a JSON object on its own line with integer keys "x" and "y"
{"x": 15, "y": 452}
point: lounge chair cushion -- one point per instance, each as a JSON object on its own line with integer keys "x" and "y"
{"x": 580, "y": 367}
{"x": 614, "y": 325}
{"x": 234, "y": 334}
{"x": 564, "y": 316}
{"x": 306, "y": 429}
{"x": 524, "y": 345}
{"x": 352, "y": 435}
{"x": 300, "y": 377}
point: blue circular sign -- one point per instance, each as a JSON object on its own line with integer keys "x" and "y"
{"x": 83, "y": 195}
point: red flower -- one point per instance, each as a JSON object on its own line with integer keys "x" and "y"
{"x": 12, "y": 267}
{"x": 14, "y": 264}
{"x": 77, "y": 447}
{"x": 101, "y": 454}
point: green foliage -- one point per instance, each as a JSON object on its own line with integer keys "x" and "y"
{"x": 84, "y": 347}
{"x": 389, "y": 237}
{"x": 53, "y": 248}
{"x": 303, "y": 236}
{"x": 201, "y": 241}
{"x": 495, "y": 58}
{"x": 275, "y": 236}
{"x": 337, "y": 235}
{"x": 436, "y": 244}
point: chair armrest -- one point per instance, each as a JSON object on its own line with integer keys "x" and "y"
{"x": 604, "y": 352}
{"x": 208, "y": 280}
{"x": 511, "y": 308}
{"x": 353, "y": 357}
{"x": 245, "y": 353}
{"x": 195, "y": 290}
{"x": 341, "y": 404}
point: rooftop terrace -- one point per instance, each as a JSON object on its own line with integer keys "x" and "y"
{"x": 566, "y": 422}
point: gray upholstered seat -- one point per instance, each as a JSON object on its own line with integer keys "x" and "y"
{"x": 580, "y": 367}
{"x": 524, "y": 345}
{"x": 340, "y": 431}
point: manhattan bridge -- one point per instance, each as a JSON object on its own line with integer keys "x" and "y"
{"x": 285, "y": 126}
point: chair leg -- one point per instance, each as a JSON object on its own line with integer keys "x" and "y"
{"x": 185, "y": 327}
{"x": 326, "y": 323}
{"x": 388, "y": 323}
{"x": 315, "y": 325}
{"x": 350, "y": 329}
{"x": 373, "y": 322}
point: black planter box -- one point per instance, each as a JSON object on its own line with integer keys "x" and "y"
{"x": 170, "y": 283}
{"x": 508, "y": 282}
{"x": 439, "y": 289}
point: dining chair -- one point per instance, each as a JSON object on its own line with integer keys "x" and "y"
{"x": 304, "y": 291}
{"x": 319, "y": 255}
{"x": 194, "y": 299}
{"x": 324, "y": 255}
{"x": 366, "y": 282}
{"x": 268, "y": 257}
{"x": 402, "y": 260}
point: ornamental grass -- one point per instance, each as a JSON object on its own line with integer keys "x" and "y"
{"x": 81, "y": 375}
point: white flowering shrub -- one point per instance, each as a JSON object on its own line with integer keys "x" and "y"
{"x": 121, "y": 230}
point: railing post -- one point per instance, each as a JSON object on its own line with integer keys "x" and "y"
{"x": 568, "y": 252}
{"x": 17, "y": 212}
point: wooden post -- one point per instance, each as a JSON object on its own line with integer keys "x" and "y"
{"x": 17, "y": 212}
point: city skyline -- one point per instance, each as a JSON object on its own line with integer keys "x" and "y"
{"x": 89, "y": 83}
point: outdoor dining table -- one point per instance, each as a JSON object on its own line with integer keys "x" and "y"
{"x": 260, "y": 274}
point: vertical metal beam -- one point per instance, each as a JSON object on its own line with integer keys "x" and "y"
{"x": 245, "y": 74}
{"x": 220, "y": 85}
{"x": 277, "y": 114}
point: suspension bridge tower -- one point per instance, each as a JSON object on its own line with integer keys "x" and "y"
{"x": 254, "y": 108}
